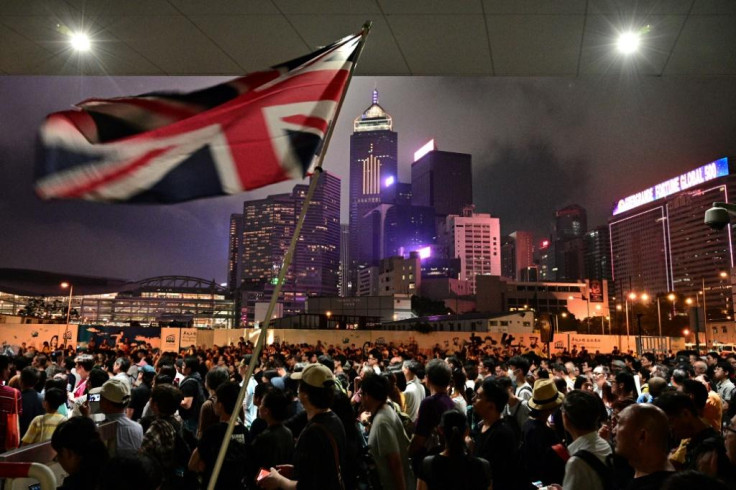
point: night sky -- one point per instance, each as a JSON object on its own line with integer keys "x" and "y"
{"x": 537, "y": 144}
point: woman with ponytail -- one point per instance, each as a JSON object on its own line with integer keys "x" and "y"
{"x": 454, "y": 467}
{"x": 80, "y": 452}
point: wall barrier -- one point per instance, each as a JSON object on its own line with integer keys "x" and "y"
{"x": 174, "y": 339}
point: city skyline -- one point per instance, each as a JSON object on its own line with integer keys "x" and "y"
{"x": 537, "y": 145}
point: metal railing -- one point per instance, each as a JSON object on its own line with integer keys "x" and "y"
{"x": 32, "y": 464}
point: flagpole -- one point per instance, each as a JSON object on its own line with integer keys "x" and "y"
{"x": 284, "y": 267}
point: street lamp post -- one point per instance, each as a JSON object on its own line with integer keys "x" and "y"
{"x": 69, "y": 285}
{"x": 641, "y": 345}
{"x": 628, "y": 337}
{"x": 689, "y": 301}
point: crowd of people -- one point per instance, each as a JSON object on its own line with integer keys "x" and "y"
{"x": 470, "y": 415}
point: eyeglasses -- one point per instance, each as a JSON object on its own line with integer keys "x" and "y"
{"x": 598, "y": 373}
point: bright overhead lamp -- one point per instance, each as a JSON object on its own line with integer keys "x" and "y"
{"x": 628, "y": 42}
{"x": 80, "y": 41}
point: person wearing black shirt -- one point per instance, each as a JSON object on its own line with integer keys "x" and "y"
{"x": 496, "y": 441}
{"x": 454, "y": 467}
{"x": 140, "y": 394}
{"x": 192, "y": 389}
{"x": 642, "y": 438}
{"x": 204, "y": 456}
{"x": 319, "y": 454}
{"x": 274, "y": 446}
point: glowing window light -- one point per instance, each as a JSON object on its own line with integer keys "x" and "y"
{"x": 429, "y": 146}
{"x": 425, "y": 253}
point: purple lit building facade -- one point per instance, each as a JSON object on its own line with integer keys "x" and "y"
{"x": 373, "y": 164}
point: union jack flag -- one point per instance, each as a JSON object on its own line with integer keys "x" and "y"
{"x": 167, "y": 147}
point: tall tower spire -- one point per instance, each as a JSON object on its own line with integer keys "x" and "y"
{"x": 374, "y": 118}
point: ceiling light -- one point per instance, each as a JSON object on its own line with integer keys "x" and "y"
{"x": 628, "y": 42}
{"x": 80, "y": 41}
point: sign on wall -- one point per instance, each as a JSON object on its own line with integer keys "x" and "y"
{"x": 188, "y": 337}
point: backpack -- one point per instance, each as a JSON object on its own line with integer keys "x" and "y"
{"x": 405, "y": 419}
{"x": 180, "y": 478}
{"x": 513, "y": 423}
{"x": 603, "y": 470}
{"x": 367, "y": 471}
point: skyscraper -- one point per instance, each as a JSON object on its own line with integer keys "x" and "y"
{"x": 268, "y": 225}
{"x": 373, "y": 163}
{"x": 235, "y": 250}
{"x": 570, "y": 226}
{"x": 523, "y": 252}
{"x": 442, "y": 180}
{"x": 660, "y": 244}
{"x": 598, "y": 254}
{"x": 474, "y": 238}
{"x": 344, "y": 259}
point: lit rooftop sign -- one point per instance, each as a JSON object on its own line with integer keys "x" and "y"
{"x": 711, "y": 171}
{"x": 429, "y": 146}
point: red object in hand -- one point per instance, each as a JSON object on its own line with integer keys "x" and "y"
{"x": 262, "y": 474}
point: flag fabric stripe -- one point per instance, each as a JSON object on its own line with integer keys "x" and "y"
{"x": 252, "y": 131}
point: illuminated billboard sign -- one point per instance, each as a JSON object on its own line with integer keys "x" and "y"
{"x": 711, "y": 171}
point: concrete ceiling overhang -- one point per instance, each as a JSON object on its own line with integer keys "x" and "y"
{"x": 534, "y": 38}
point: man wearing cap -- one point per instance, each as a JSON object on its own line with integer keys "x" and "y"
{"x": 319, "y": 456}
{"x": 114, "y": 397}
{"x": 542, "y": 463}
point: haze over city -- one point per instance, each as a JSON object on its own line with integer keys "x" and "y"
{"x": 537, "y": 144}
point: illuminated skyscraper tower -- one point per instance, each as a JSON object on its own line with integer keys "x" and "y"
{"x": 373, "y": 155}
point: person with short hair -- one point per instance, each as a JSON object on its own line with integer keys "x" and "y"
{"x": 426, "y": 438}
{"x": 42, "y": 427}
{"x": 414, "y": 392}
{"x": 120, "y": 371}
{"x": 581, "y": 415}
{"x": 205, "y": 455}
{"x": 454, "y": 467}
{"x": 83, "y": 365}
{"x": 387, "y": 439}
{"x": 722, "y": 373}
{"x": 141, "y": 394}
{"x": 159, "y": 441}
{"x": 685, "y": 423}
{"x": 642, "y": 438}
{"x": 30, "y": 398}
{"x": 274, "y": 446}
{"x": 193, "y": 398}
{"x": 496, "y": 441}
{"x": 80, "y": 452}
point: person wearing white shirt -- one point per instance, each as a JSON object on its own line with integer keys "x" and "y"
{"x": 414, "y": 392}
{"x": 581, "y": 414}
